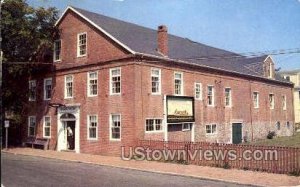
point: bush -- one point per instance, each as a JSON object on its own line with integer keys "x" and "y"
{"x": 271, "y": 134}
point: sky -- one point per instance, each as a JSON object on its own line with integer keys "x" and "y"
{"x": 241, "y": 26}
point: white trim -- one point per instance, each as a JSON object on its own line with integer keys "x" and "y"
{"x": 230, "y": 97}
{"x": 44, "y": 122}
{"x": 272, "y": 107}
{"x": 110, "y": 81}
{"x": 213, "y": 95}
{"x": 88, "y": 83}
{"x": 95, "y": 25}
{"x": 159, "y": 77}
{"x": 201, "y": 91}
{"x": 257, "y": 103}
{"x": 65, "y": 87}
{"x": 29, "y": 86}
{"x": 110, "y": 126}
{"x": 86, "y": 42}
{"x": 181, "y": 86}
{"x": 28, "y": 126}
{"x": 212, "y": 133}
{"x": 154, "y": 129}
{"x": 46, "y": 79}
{"x": 88, "y": 128}
{"x": 165, "y": 124}
{"x": 54, "y": 50}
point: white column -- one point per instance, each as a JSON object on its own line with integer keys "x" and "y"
{"x": 165, "y": 119}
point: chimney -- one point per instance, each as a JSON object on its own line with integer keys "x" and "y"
{"x": 162, "y": 39}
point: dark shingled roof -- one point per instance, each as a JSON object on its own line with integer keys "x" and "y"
{"x": 144, "y": 40}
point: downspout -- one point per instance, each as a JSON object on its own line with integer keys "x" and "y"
{"x": 251, "y": 103}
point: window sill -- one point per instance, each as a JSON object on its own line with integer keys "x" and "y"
{"x": 183, "y": 130}
{"x": 153, "y": 132}
{"x": 68, "y": 98}
{"x": 92, "y": 95}
{"x": 92, "y": 139}
{"x": 47, "y": 137}
{"x": 115, "y": 140}
{"x": 115, "y": 94}
{"x": 211, "y": 134}
{"x": 79, "y": 56}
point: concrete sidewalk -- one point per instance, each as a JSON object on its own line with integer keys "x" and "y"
{"x": 211, "y": 173}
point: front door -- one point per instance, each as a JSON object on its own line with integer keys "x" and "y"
{"x": 236, "y": 133}
{"x": 69, "y": 132}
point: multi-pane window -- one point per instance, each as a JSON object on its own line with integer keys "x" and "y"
{"x": 68, "y": 86}
{"x": 92, "y": 83}
{"x": 115, "y": 81}
{"x": 92, "y": 127}
{"x": 198, "y": 91}
{"x": 228, "y": 97}
{"x": 210, "y": 95}
{"x": 32, "y": 90}
{"x": 82, "y": 40}
{"x": 284, "y": 102}
{"x": 115, "y": 131}
{"x": 57, "y": 50}
{"x": 256, "y": 99}
{"x": 47, "y": 126}
{"x": 31, "y": 125}
{"x": 271, "y": 101}
{"x": 186, "y": 126}
{"x": 211, "y": 129}
{"x": 153, "y": 125}
{"x": 47, "y": 88}
{"x": 155, "y": 80}
{"x": 178, "y": 83}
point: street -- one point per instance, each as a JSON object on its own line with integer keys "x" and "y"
{"x": 18, "y": 170}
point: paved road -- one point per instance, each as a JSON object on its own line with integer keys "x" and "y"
{"x": 18, "y": 170}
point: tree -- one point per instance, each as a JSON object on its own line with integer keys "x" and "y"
{"x": 27, "y": 39}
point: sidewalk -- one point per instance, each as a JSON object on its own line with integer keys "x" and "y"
{"x": 211, "y": 173}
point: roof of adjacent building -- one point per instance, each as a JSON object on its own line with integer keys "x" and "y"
{"x": 144, "y": 40}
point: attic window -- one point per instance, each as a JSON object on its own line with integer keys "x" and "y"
{"x": 81, "y": 44}
{"x": 270, "y": 70}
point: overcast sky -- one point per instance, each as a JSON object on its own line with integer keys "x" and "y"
{"x": 235, "y": 25}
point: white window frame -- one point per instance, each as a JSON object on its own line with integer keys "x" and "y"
{"x": 230, "y": 97}
{"x": 255, "y": 102}
{"x": 54, "y": 51}
{"x": 44, "y": 126}
{"x": 89, "y": 126}
{"x": 154, "y": 125}
{"x": 29, "y": 125}
{"x": 272, "y": 105}
{"x": 110, "y": 127}
{"x": 284, "y": 104}
{"x": 181, "y": 83}
{"x": 188, "y": 128}
{"x": 65, "y": 87}
{"x": 111, "y": 83}
{"x": 211, "y": 129}
{"x": 213, "y": 96}
{"x": 159, "y": 81}
{"x": 89, "y": 83}
{"x": 198, "y": 93}
{"x": 45, "y": 95}
{"x": 30, "y": 84}
{"x": 78, "y": 44}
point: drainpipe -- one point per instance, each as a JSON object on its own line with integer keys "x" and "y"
{"x": 251, "y": 103}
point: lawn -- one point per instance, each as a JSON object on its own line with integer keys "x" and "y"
{"x": 286, "y": 141}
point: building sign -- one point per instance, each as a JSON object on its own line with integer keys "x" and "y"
{"x": 180, "y": 109}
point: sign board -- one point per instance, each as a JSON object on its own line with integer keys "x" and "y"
{"x": 180, "y": 109}
{"x": 6, "y": 123}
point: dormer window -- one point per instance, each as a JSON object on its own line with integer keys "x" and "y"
{"x": 57, "y": 50}
{"x": 81, "y": 44}
{"x": 270, "y": 70}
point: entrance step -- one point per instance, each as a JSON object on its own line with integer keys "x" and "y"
{"x": 72, "y": 151}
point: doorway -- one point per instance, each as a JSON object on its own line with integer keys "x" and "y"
{"x": 69, "y": 132}
{"x": 236, "y": 133}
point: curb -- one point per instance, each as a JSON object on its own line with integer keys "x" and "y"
{"x": 137, "y": 169}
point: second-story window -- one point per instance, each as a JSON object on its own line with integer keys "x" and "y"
{"x": 47, "y": 88}
{"x": 68, "y": 86}
{"x": 57, "y": 50}
{"x": 92, "y": 83}
{"x": 198, "y": 91}
{"x": 155, "y": 80}
{"x": 210, "y": 95}
{"x": 256, "y": 99}
{"x": 115, "y": 81}
{"x": 272, "y": 101}
{"x": 82, "y": 41}
{"x": 178, "y": 83}
{"x": 228, "y": 97}
{"x": 284, "y": 102}
{"x": 32, "y": 90}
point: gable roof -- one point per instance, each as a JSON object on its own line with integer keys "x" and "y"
{"x": 138, "y": 39}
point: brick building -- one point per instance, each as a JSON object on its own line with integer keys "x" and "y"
{"x": 113, "y": 83}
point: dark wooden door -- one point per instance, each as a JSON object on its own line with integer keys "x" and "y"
{"x": 236, "y": 133}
